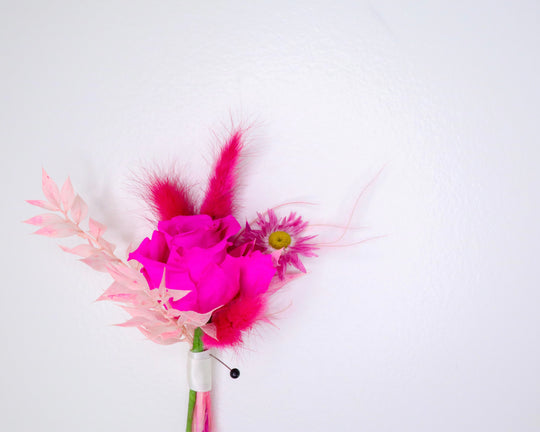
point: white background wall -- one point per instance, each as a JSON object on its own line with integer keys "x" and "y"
{"x": 433, "y": 328}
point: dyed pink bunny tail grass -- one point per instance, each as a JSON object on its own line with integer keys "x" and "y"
{"x": 202, "y": 416}
{"x": 219, "y": 199}
{"x": 166, "y": 195}
{"x": 235, "y": 319}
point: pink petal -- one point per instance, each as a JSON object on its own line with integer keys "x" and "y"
{"x": 67, "y": 195}
{"x": 176, "y": 295}
{"x": 168, "y": 338}
{"x": 79, "y": 209}
{"x": 50, "y": 189}
{"x": 43, "y": 204}
{"x": 276, "y": 255}
{"x": 161, "y": 335}
{"x": 84, "y": 250}
{"x": 133, "y": 322}
{"x": 64, "y": 229}
{"x": 98, "y": 261}
{"x": 114, "y": 289}
{"x": 144, "y": 311}
{"x": 295, "y": 261}
{"x": 161, "y": 328}
{"x": 96, "y": 228}
{"x": 45, "y": 219}
{"x": 106, "y": 245}
{"x": 210, "y": 329}
{"x": 162, "y": 284}
{"x": 118, "y": 292}
{"x": 195, "y": 318}
{"x": 127, "y": 276}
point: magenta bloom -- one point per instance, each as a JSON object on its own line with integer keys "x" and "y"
{"x": 249, "y": 305}
{"x": 194, "y": 252}
{"x": 284, "y": 235}
{"x": 197, "y": 271}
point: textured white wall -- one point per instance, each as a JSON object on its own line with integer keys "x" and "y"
{"x": 433, "y": 328}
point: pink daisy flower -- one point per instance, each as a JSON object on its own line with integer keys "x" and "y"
{"x": 285, "y": 235}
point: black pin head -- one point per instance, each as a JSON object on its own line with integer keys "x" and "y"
{"x": 235, "y": 373}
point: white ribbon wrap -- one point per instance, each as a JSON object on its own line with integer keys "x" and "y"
{"x": 199, "y": 369}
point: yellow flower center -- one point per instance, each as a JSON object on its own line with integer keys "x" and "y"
{"x": 279, "y": 239}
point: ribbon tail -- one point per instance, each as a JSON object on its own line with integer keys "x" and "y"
{"x": 202, "y": 421}
{"x": 209, "y": 419}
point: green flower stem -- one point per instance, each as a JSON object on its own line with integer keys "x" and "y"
{"x": 197, "y": 347}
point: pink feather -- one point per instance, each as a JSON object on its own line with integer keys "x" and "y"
{"x": 234, "y": 319}
{"x": 167, "y": 195}
{"x": 219, "y": 200}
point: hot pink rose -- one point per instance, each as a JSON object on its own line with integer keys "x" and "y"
{"x": 194, "y": 252}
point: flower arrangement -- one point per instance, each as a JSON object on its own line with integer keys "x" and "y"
{"x": 200, "y": 276}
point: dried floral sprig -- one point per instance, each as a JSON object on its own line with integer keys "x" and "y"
{"x": 150, "y": 309}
